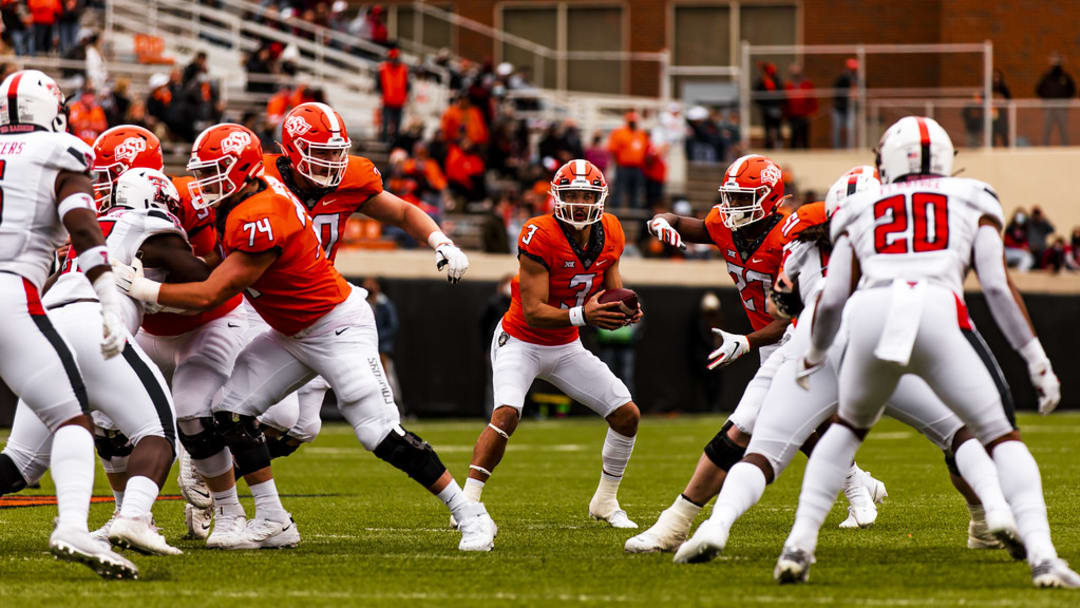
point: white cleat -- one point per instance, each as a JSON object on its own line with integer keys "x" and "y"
{"x": 75, "y": 545}
{"x": 979, "y": 536}
{"x": 140, "y": 534}
{"x": 477, "y": 529}
{"x": 264, "y": 533}
{"x": 228, "y": 532}
{"x": 453, "y": 522}
{"x": 706, "y": 543}
{"x": 102, "y": 533}
{"x": 1002, "y": 526}
{"x": 192, "y": 485}
{"x": 609, "y": 511}
{"x": 1054, "y": 573}
{"x": 667, "y": 534}
{"x": 875, "y": 487}
{"x": 861, "y": 510}
{"x": 793, "y": 566}
{"x": 198, "y": 521}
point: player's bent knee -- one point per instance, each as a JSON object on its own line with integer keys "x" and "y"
{"x": 411, "y": 454}
{"x": 1010, "y": 436}
{"x": 11, "y": 480}
{"x": 307, "y": 432}
{"x": 200, "y": 438}
{"x": 762, "y": 463}
{"x": 245, "y": 439}
{"x": 504, "y": 420}
{"x": 282, "y": 445}
{"x": 112, "y": 444}
{"x": 723, "y": 451}
{"x": 624, "y": 420}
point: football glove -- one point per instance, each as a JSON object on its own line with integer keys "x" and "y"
{"x": 131, "y": 281}
{"x": 661, "y": 229}
{"x": 732, "y": 347}
{"x": 1043, "y": 378}
{"x": 112, "y": 321}
{"x": 447, "y": 255}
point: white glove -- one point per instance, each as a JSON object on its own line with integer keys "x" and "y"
{"x": 809, "y": 364}
{"x": 733, "y": 347}
{"x": 447, "y": 255}
{"x": 114, "y": 335}
{"x": 1043, "y": 378}
{"x": 131, "y": 281}
{"x": 661, "y": 229}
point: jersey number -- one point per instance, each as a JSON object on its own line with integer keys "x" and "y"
{"x": 752, "y": 286}
{"x": 262, "y": 225}
{"x": 586, "y": 281}
{"x": 532, "y": 230}
{"x": 326, "y": 228}
{"x": 928, "y": 217}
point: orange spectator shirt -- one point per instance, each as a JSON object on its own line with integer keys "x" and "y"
{"x": 394, "y": 83}
{"x": 628, "y": 147}
{"x": 330, "y": 210}
{"x": 301, "y": 285}
{"x": 454, "y": 118}
{"x": 574, "y": 275}
{"x": 87, "y": 123}
{"x": 199, "y": 226}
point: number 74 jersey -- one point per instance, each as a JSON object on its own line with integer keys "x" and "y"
{"x": 917, "y": 230}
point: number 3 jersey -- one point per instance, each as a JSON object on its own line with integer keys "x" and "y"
{"x": 917, "y": 230}
{"x": 301, "y": 285}
{"x": 574, "y": 273}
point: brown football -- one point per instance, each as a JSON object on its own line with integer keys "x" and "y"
{"x": 626, "y": 296}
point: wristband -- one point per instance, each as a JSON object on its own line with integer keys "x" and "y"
{"x": 577, "y": 316}
{"x": 1033, "y": 353}
{"x": 94, "y": 257}
{"x": 438, "y": 238}
{"x": 79, "y": 200}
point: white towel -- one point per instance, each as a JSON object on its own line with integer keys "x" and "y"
{"x": 902, "y": 322}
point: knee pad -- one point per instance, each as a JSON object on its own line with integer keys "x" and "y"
{"x": 307, "y": 432}
{"x": 950, "y": 463}
{"x": 203, "y": 442}
{"x": 282, "y": 445}
{"x": 245, "y": 440}
{"x": 722, "y": 451}
{"x": 11, "y": 480}
{"x": 411, "y": 454}
{"x": 112, "y": 444}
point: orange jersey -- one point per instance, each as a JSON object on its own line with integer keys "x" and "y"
{"x": 301, "y": 285}
{"x": 330, "y": 209}
{"x": 574, "y": 275}
{"x": 753, "y": 263}
{"x": 199, "y": 226}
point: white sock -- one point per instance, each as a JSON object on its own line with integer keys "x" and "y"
{"x": 616, "y": 453}
{"x": 473, "y": 489}
{"x": 267, "y": 503}
{"x": 453, "y": 497}
{"x": 227, "y": 503}
{"x": 1020, "y": 483}
{"x": 980, "y": 473}
{"x": 118, "y": 495}
{"x": 141, "y": 493}
{"x": 824, "y": 477}
{"x": 743, "y": 487}
{"x": 978, "y": 513}
{"x": 684, "y": 510}
{"x": 72, "y": 463}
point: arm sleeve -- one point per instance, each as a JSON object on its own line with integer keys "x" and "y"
{"x": 989, "y": 257}
{"x": 830, "y": 306}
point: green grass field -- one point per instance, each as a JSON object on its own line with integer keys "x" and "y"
{"x": 372, "y": 537}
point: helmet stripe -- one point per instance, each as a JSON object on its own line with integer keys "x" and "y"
{"x": 579, "y": 167}
{"x": 924, "y": 141}
{"x": 13, "y": 99}
{"x": 331, "y": 117}
{"x": 852, "y": 184}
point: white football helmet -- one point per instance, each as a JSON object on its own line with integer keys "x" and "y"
{"x": 914, "y": 145}
{"x": 143, "y": 188}
{"x": 857, "y": 179}
{"x": 30, "y": 98}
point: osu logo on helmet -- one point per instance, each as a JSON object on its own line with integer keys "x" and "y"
{"x": 753, "y": 186}
{"x": 130, "y": 148}
{"x": 235, "y": 142}
{"x": 296, "y": 125}
{"x": 223, "y": 158}
{"x": 121, "y": 148}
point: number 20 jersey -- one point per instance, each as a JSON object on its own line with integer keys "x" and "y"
{"x": 917, "y": 230}
{"x": 574, "y": 274}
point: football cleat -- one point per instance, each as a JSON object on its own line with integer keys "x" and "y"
{"x": 610, "y": 512}
{"x": 979, "y": 536}
{"x": 477, "y": 529}
{"x": 140, "y": 534}
{"x": 793, "y": 566}
{"x": 262, "y": 533}
{"x": 192, "y": 485}
{"x": 706, "y": 543}
{"x": 1054, "y": 573}
{"x": 102, "y": 533}
{"x": 1002, "y": 526}
{"x": 875, "y": 487}
{"x": 667, "y": 534}
{"x": 861, "y": 513}
{"x": 228, "y": 531}
{"x": 198, "y": 521}
{"x": 75, "y": 545}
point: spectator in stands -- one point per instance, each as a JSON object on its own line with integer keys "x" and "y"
{"x": 86, "y": 118}
{"x": 493, "y": 236}
{"x": 596, "y": 153}
{"x": 465, "y": 171}
{"x": 463, "y": 118}
{"x": 655, "y": 172}
{"x": 801, "y": 106}
{"x": 628, "y": 145}
{"x": 43, "y": 14}
{"x": 254, "y": 121}
{"x": 97, "y": 74}
{"x": 1038, "y": 229}
{"x": 430, "y": 179}
{"x": 701, "y": 146}
{"x": 259, "y": 66}
{"x": 1001, "y": 120}
{"x": 117, "y": 103}
{"x": 1017, "y": 253}
{"x": 770, "y": 103}
{"x": 392, "y": 83}
{"x": 16, "y": 34}
{"x": 1055, "y": 85}
{"x": 376, "y": 25}
{"x": 67, "y": 23}
{"x": 701, "y": 342}
{"x": 1055, "y": 257}
{"x": 1072, "y": 250}
{"x": 973, "y": 120}
{"x": 387, "y": 325}
{"x": 195, "y": 68}
{"x": 670, "y": 130}
{"x": 410, "y": 136}
{"x": 843, "y": 113}
{"x": 159, "y": 104}
{"x": 730, "y": 142}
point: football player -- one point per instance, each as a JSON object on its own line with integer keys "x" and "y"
{"x": 566, "y": 261}
{"x": 749, "y": 229}
{"x": 319, "y": 326}
{"x": 44, "y": 175}
{"x": 909, "y": 245}
{"x": 789, "y": 414}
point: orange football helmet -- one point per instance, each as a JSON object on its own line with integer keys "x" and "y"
{"x": 121, "y": 148}
{"x": 223, "y": 158}
{"x": 314, "y": 138}
{"x": 579, "y": 175}
{"x": 753, "y": 186}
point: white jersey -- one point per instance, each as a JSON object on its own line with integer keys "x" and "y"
{"x": 30, "y": 226}
{"x": 125, "y": 232}
{"x": 804, "y": 263}
{"x": 917, "y": 230}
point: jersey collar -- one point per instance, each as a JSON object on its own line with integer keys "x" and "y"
{"x": 310, "y": 197}
{"x": 592, "y": 249}
{"x": 748, "y": 245}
